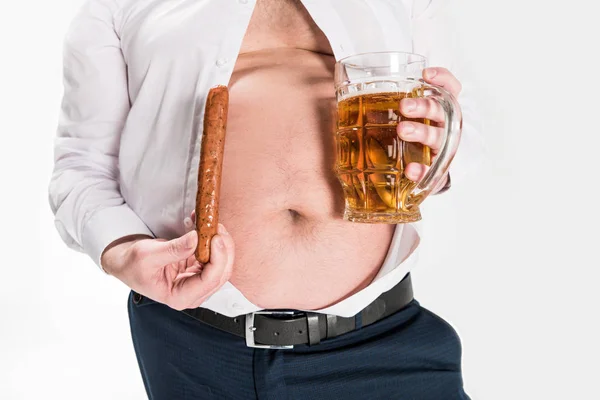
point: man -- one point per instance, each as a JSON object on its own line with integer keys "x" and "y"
{"x": 124, "y": 186}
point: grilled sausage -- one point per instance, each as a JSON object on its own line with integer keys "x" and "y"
{"x": 210, "y": 169}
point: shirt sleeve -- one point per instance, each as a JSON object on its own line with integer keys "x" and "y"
{"x": 84, "y": 194}
{"x": 434, "y": 36}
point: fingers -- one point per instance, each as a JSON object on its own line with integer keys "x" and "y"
{"x": 431, "y": 136}
{"x": 229, "y": 245}
{"x": 191, "y": 292}
{"x": 191, "y": 267}
{"x": 429, "y": 108}
{"x": 188, "y": 272}
{"x": 442, "y": 77}
{"x": 415, "y": 172}
{"x": 228, "y": 269}
{"x": 175, "y": 250}
{"x": 422, "y": 108}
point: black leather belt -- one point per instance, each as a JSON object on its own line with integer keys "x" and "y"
{"x": 282, "y": 329}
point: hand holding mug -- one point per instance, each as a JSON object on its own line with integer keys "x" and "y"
{"x": 430, "y": 135}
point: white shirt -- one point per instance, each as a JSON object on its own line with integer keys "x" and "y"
{"x": 136, "y": 74}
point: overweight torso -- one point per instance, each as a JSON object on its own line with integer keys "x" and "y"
{"x": 280, "y": 199}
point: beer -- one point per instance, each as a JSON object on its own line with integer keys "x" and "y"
{"x": 371, "y": 158}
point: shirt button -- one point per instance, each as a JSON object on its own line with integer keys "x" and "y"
{"x": 221, "y": 62}
{"x": 188, "y": 222}
{"x": 243, "y": 1}
{"x": 237, "y": 306}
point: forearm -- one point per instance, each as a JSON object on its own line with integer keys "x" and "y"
{"x": 84, "y": 190}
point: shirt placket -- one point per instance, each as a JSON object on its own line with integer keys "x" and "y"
{"x": 236, "y": 14}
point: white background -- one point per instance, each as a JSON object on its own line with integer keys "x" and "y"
{"x": 509, "y": 258}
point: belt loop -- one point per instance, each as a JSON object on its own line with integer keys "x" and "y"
{"x": 137, "y": 298}
{"x": 314, "y": 332}
{"x": 358, "y": 321}
{"x": 331, "y": 320}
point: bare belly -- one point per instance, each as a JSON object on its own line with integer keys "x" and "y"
{"x": 279, "y": 198}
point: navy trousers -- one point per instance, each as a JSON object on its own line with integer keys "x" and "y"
{"x": 410, "y": 355}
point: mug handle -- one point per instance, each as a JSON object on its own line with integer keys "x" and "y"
{"x": 453, "y": 129}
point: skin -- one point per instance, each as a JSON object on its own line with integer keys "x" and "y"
{"x": 293, "y": 199}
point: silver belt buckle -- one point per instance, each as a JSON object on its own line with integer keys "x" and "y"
{"x": 250, "y": 328}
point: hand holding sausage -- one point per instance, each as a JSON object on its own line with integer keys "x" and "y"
{"x": 167, "y": 271}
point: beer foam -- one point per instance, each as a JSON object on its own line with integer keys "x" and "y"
{"x": 374, "y": 87}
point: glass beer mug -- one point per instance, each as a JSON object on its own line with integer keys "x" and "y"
{"x": 371, "y": 157}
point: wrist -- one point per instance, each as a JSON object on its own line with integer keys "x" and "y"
{"x": 113, "y": 256}
{"x": 446, "y": 186}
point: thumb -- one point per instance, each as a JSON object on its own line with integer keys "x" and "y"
{"x": 177, "y": 249}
